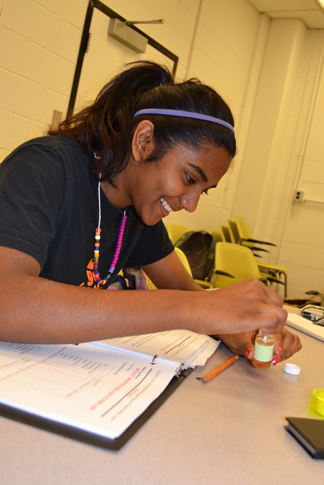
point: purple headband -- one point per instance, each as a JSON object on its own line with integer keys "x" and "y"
{"x": 185, "y": 114}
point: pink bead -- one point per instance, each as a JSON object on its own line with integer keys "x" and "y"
{"x": 117, "y": 251}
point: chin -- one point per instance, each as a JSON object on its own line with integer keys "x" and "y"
{"x": 151, "y": 220}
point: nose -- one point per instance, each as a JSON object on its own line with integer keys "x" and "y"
{"x": 190, "y": 202}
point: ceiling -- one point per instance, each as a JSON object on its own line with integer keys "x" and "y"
{"x": 309, "y": 11}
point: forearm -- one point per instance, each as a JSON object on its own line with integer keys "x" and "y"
{"x": 43, "y": 311}
{"x": 33, "y": 309}
{"x": 40, "y": 311}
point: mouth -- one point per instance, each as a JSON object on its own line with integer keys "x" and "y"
{"x": 166, "y": 206}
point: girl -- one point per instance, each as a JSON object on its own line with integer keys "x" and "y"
{"x": 87, "y": 200}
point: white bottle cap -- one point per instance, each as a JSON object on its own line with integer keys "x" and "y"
{"x": 292, "y": 369}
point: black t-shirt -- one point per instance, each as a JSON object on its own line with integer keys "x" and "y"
{"x": 49, "y": 210}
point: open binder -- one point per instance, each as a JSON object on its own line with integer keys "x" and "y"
{"x": 98, "y": 392}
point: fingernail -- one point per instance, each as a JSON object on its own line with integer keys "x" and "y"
{"x": 275, "y": 361}
{"x": 279, "y": 349}
{"x": 248, "y": 352}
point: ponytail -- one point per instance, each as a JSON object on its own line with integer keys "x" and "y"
{"x": 102, "y": 128}
{"x": 105, "y": 128}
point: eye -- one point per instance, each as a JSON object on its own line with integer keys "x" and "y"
{"x": 190, "y": 180}
{"x": 206, "y": 190}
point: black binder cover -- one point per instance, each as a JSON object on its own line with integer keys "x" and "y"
{"x": 86, "y": 436}
{"x": 310, "y": 434}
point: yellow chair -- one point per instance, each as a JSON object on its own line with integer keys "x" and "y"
{"x": 234, "y": 235}
{"x": 246, "y": 238}
{"x": 230, "y": 234}
{"x": 184, "y": 260}
{"x": 236, "y": 239}
{"x": 234, "y": 263}
{"x": 217, "y": 235}
{"x": 175, "y": 231}
{"x": 225, "y": 234}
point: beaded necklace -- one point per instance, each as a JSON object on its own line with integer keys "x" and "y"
{"x": 96, "y": 274}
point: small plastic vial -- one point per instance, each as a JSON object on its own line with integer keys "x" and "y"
{"x": 263, "y": 350}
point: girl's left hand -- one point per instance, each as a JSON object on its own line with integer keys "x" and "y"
{"x": 286, "y": 344}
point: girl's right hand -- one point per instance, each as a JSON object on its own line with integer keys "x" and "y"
{"x": 241, "y": 307}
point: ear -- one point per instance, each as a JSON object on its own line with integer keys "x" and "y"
{"x": 142, "y": 142}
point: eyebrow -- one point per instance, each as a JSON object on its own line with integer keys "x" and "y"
{"x": 201, "y": 172}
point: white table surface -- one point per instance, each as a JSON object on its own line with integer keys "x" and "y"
{"x": 227, "y": 431}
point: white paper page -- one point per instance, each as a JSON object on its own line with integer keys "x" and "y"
{"x": 181, "y": 346}
{"x": 207, "y": 352}
{"x": 87, "y": 386}
{"x": 305, "y": 326}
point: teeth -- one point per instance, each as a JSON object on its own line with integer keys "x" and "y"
{"x": 166, "y": 205}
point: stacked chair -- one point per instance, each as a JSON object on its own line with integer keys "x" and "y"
{"x": 175, "y": 231}
{"x": 238, "y": 258}
{"x": 225, "y": 234}
{"x": 233, "y": 233}
{"x": 234, "y": 263}
{"x": 239, "y": 233}
{"x": 246, "y": 239}
{"x": 183, "y": 258}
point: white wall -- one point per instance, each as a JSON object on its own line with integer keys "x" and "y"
{"x": 39, "y": 43}
{"x": 279, "y": 123}
{"x": 177, "y": 32}
{"x": 276, "y": 95}
{"x": 227, "y": 55}
{"x": 302, "y": 245}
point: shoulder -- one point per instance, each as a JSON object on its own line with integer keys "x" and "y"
{"x": 54, "y": 146}
{"x": 50, "y": 154}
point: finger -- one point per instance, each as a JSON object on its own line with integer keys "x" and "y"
{"x": 271, "y": 319}
{"x": 278, "y": 344}
{"x": 247, "y": 348}
{"x": 259, "y": 292}
{"x": 253, "y": 334}
{"x": 291, "y": 344}
{"x": 239, "y": 343}
{"x": 277, "y": 349}
{"x": 273, "y": 296}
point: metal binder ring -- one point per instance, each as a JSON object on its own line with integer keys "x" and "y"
{"x": 154, "y": 359}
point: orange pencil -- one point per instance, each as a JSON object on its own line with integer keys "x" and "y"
{"x": 219, "y": 369}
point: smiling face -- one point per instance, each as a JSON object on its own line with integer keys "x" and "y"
{"x": 176, "y": 181}
{"x": 173, "y": 183}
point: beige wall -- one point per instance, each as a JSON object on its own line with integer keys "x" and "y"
{"x": 270, "y": 72}
{"x": 302, "y": 167}
{"x": 39, "y": 43}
